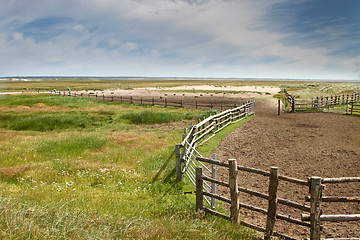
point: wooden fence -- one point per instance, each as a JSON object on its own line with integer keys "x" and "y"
{"x": 290, "y": 99}
{"x": 313, "y": 213}
{"x": 344, "y": 103}
{"x": 154, "y": 101}
{"x": 199, "y": 134}
{"x": 354, "y": 108}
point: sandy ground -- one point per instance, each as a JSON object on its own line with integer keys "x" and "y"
{"x": 266, "y": 89}
{"x": 229, "y": 91}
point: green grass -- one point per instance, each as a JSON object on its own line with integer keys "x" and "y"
{"x": 150, "y": 117}
{"x": 65, "y": 220}
{"x": 58, "y": 113}
{"x": 73, "y": 146}
{"x": 209, "y": 147}
{"x": 50, "y": 122}
{"x": 72, "y": 168}
{"x": 49, "y": 100}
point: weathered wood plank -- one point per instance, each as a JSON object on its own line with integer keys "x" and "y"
{"x": 292, "y": 220}
{"x": 216, "y": 181}
{"x": 178, "y": 162}
{"x": 336, "y": 199}
{"x": 207, "y": 210}
{"x": 221, "y": 198}
{"x": 340, "y": 180}
{"x": 334, "y": 218}
{"x": 211, "y": 161}
{"x": 294, "y": 204}
{"x": 272, "y": 202}
{"x": 315, "y": 205}
{"x": 199, "y": 189}
{"x": 253, "y": 208}
{"x": 254, "y": 193}
{"x": 294, "y": 180}
{"x": 234, "y": 192}
{"x": 253, "y": 170}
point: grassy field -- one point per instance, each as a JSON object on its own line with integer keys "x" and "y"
{"x": 78, "y": 168}
{"x": 299, "y": 89}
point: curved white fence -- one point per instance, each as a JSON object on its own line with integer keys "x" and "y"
{"x": 202, "y": 132}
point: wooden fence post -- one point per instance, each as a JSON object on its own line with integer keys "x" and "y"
{"x": 315, "y": 207}
{"x": 199, "y": 189}
{"x": 178, "y": 162}
{"x": 234, "y": 192}
{"x": 293, "y": 105}
{"x": 278, "y": 107}
{"x": 272, "y": 205}
{"x": 213, "y": 185}
{"x": 352, "y": 107}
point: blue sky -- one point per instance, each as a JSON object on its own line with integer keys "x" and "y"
{"x": 317, "y": 39}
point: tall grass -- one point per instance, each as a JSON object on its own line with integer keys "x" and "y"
{"x": 63, "y": 220}
{"x": 50, "y": 122}
{"x": 151, "y": 117}
{"x": 48, "y": 100}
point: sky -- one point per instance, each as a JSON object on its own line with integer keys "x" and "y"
{"x": 302, "y": 39}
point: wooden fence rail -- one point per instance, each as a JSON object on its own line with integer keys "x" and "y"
{"x": 313, "y": 212}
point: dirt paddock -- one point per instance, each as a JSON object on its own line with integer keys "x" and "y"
{"x": 300, "y": 145}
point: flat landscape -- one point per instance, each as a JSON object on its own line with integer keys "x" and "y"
{"x": 81, "y": 167}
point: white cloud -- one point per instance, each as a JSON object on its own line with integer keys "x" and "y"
{"x": 161, "y": 38}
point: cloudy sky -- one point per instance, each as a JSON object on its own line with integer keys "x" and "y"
{"x": 316, "y": 39}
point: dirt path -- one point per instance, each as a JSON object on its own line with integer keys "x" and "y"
{"x": 300, "y": 145}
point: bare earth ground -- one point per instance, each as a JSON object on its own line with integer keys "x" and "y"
{"x": 300, "y": 145}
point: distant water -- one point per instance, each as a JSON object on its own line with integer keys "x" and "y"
{"x": 32, "y": 78}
